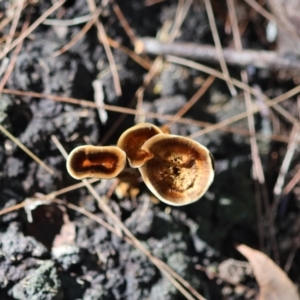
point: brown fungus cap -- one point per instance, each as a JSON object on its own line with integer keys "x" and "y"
{"x": 93, "y": 161}
{"x": 133, "y": 139}
{"x": 180, "y": 171}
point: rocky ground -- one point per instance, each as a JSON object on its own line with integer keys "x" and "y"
{"x": 37, "y": 261}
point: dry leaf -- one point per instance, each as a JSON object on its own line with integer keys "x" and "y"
{"x": 273, "y": 282}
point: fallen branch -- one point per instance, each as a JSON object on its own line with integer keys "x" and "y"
{"x": 257, "y": 58}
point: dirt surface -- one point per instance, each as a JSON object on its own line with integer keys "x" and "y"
{"x": 38, "y": 262}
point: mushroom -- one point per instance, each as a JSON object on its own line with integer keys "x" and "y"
{"x": 133, "y": 139}
{"x": 94, "y": 161}
{"x": 180, "y": 171}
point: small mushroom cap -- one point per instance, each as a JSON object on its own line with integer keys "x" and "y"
{"x": 95, "y": 161}
{"x": 133, "y": 139}
{"x": 180, "y": 171}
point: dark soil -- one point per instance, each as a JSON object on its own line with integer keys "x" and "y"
{"x": 98, "y": 264}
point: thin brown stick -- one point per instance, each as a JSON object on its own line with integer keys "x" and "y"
{"x": 86, "y": 103}
{"x": 49, "y": 196}
{"x": 258, "y": 168}
{"x": 292, "y": 183}
{"x": 79, "y": 35}
{"x": 152, "y": 2}
{"x": 181, "y": 13}
{"x": 9, "y": 15}
{"x": 12, "y": 208}
{"x": 112, "y": 187}
{"x": 14, "y": 25}
{"x": 283, "y": 171}
{"x": 214, "y": 31}
{"x": 3, "y": 38}
{"x": 129, "y": 31}
{"x": 26, "y": 150}
{"x": 259, "y": 213}
{"x": 281, "y": 177}
{"x": 33, "y": 26}
{"x": 257, "y": 7}
{"x": 13, "y": 59}
{"x": 290, "y": 259}
{"x": 103, "y": 39}
{"x": 258, "y": 173}
{"x": 139, "y": 94}
{"x": 201, "y": 91}
{"x": 9, "y": 38}
{"x": 271, "y": 17}
{"x": 71, "y": 188}
{"x": 294, "y": 248}
{"x": 145, "y": 63}
{"x": 291, "y": 148}
{"x": 88, "y": 214}
{"x": 5, "y": 22}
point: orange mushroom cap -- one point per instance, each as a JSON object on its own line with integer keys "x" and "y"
{"x": 180, "y": 171}
{"x": 95, "y": 161}
{"x": 133, "y": 139}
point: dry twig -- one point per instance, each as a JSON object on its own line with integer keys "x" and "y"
{"x": 271, "y": 17}
{"x": 292, "y": 183}
{"x": 33, "y": 26}
{"x": 124, "y": 22}
{"x": 13, "y": 59}
{"x": 213, "y": 26}
{"x": 258, "y": 58}
{"x": 286, "y": 161}
{"x": 14, "y": 25}
{"x": 258, "y": 173}
{"x": 80, "y": 34}
{"x": 123, "y": 110}
{"x": 145, "y": 63}
{"x": 26, "y": 150}
{"x": 201, "y": 91}
{"x": 104, "y": 40}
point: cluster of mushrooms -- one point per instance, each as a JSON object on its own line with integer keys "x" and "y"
{"x": 176, "y": 169}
